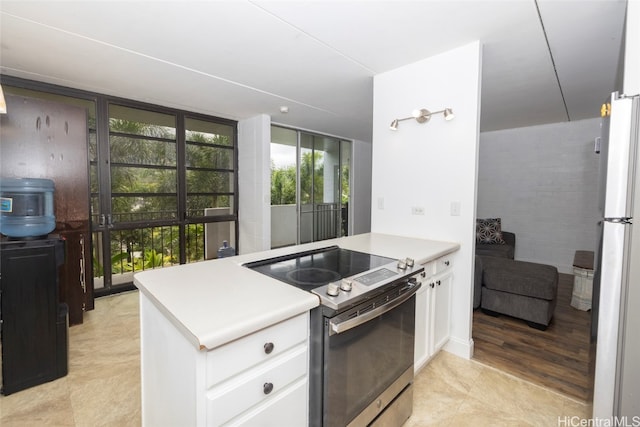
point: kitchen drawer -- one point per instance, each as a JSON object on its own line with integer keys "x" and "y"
{"x": 230, "y": 359}
{"x": 230, "y": 398}
{"x": 289, "y": 408}
{"x": 444, "y": 263}
{"x": 429, "y": 269}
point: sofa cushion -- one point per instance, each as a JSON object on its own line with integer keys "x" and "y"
{"x": 503, "y": 251}
{"x": 489, "y": 231}
{"x": 520, "y": 277}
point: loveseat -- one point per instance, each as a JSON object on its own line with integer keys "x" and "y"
{"x": 519, "y": 289}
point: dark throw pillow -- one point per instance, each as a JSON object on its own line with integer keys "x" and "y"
{"x": 489, "y": 231}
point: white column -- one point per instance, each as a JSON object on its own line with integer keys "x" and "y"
{"x": 431, "y": 168}
{"x": 254, "y": 184}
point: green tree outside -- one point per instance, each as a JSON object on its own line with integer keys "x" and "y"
{"x": 146, "y": 161}
{"x": 283, "y": 181}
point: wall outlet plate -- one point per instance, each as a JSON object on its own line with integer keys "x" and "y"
{"x": 417, "y": 210}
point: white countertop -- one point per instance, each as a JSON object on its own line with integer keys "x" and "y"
{"x": 217, "y": 301}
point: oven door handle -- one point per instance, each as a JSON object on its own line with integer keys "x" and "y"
{"x": 340, "y": 327}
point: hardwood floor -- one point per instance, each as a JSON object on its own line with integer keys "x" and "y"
{"x": 560, "y": 358}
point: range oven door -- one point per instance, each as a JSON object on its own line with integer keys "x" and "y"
{"x": 365, "y": 356}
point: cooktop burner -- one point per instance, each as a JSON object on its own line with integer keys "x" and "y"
{"x": 311, "y": 269}
{"x": 312, "y": 276}
{"x": 341, "y": 278}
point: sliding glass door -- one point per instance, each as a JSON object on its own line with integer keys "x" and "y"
{"x": 309, "y": 187}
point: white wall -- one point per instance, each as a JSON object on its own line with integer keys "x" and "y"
{"x": 254, "y": 168}
{"x": 542, "y": 181}
{"x": 431, "y": 165}
{"x": 360, "y": 208}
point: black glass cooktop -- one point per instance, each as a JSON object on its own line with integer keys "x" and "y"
{"x": 308, "y": 270}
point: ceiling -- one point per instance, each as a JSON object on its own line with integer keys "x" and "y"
{"x": 544, "y": 61}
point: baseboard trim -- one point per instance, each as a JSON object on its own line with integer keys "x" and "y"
{"x": 460, "y": 348}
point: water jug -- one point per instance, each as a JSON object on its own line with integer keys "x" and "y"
{"x": 226, "y": 250}
{"x": 26, "y": 207}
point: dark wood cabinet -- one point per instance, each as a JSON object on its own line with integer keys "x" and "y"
{"x": 45, "y": 139}
{"x": 34, "y": 324}
{"x": 76, "y": 275}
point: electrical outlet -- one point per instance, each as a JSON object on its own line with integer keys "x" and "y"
{"x": 417, "y": 210}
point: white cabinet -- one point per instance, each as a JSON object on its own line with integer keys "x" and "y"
{"x": 433, "y": 310}
{"x": 441, "y": 307}
{"x": 421, "y": 345}
{"x": 260, "y": 379}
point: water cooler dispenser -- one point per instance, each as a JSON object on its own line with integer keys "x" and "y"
{"x": 34, "y": 325}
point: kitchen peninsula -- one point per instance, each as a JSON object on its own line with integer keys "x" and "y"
{"x": 221, "y": 343}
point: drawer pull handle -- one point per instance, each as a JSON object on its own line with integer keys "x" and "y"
{"x": 268, "y": 347}
{"x": 432, "y": 285}
{"x": 446, "y": 263}
{"x": 267, "y": 388}
{"x": 438, "y": 282}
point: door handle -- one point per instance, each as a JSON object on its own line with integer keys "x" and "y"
{"x": 338, "y": 327}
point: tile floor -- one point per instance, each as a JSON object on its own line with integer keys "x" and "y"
{"x": 103, "y": 386}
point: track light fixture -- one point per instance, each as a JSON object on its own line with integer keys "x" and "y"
{"x": 422, "y": 116}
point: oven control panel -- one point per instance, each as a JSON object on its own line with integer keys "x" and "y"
{"x": 352, "y": 290}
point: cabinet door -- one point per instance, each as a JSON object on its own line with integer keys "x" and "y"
{"x": 423, "y": 311}
{"x": 29, "y": 311}
{"x": 441, "y": 310}
{"x": 75, "y": 273}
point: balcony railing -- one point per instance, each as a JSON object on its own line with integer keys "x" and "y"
{"x": 148, "y": 247}
{"x": 326, "y": 221}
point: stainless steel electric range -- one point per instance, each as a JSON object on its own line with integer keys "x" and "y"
{"x": 362, "y": 334}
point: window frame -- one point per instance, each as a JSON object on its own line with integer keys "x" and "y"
{"x": 102, "y": 133}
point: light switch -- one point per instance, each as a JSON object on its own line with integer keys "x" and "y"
{"x": 455, "y": 208}
{"x": 381, "y": 203}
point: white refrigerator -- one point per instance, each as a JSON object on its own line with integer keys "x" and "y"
{"x": 617, "y": 276}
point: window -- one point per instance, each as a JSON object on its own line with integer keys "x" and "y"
{"x": 143, "y": 159}
{"x": 163, "y": 183}
{"x": 166, "y": 195}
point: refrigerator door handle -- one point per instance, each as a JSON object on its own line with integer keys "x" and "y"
{"x": 622, "y": 220}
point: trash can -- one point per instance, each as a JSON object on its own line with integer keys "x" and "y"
{"x": 582, "y": 280}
